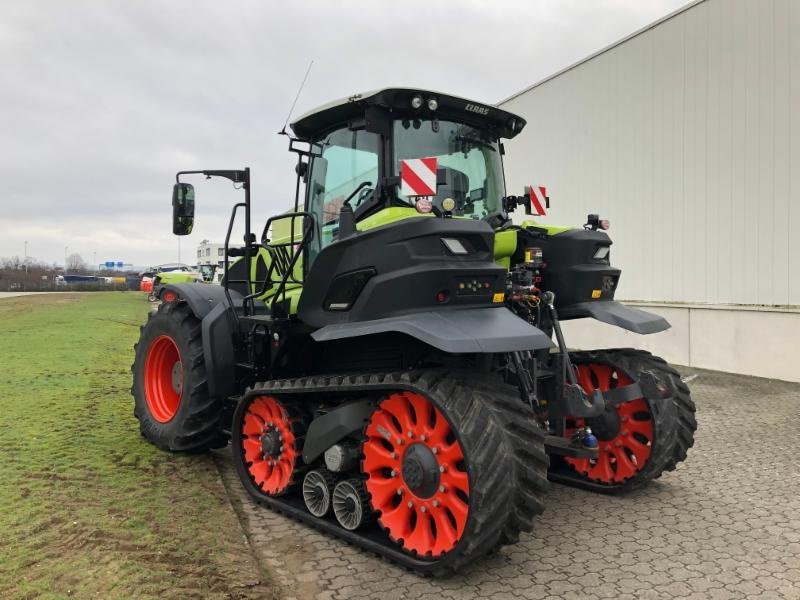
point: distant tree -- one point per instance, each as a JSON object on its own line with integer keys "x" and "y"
{"x": 75, "y": 262}
{"x": 11, "y": 263}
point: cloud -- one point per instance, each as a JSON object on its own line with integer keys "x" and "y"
{"x": 100, "y": 103}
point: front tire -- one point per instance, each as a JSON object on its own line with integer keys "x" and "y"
{"x": 170, "y": 388}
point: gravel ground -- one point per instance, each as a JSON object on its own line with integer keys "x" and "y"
{"x": 725, "y": 524}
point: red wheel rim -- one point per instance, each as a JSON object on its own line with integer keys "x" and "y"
{"x": 428, "y": 518}
{"x": 163, "y": 379}
{"x": 625, "y": 454}
{"x": 268, "y": 445}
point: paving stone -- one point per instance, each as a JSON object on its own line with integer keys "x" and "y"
{"x": 723, "y": 525}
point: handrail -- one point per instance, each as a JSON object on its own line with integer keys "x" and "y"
{"x": 280, "y": 262}
{"x": 225, "y": 280}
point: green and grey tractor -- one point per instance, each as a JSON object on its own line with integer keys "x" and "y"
{"x": 386, "y": 361}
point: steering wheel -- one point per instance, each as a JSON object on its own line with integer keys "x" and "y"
{"x": 365, "y": 193}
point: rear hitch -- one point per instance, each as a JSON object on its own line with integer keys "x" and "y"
{"x": 577, "y": 403}
{"x": 574, "y": 448}
{"x": 574, "y": 401}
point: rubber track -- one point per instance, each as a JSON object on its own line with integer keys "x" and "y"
{"x": 200, "y": 428}
{"x": 507, "y": 472}
{"x": 673, "y": 418}
{"x": 530, "y": 458}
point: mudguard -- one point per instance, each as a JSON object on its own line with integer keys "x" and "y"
{"x": 202, "y": 297}
{"x": 614, "y": 313}
{"x": 209, "y": 304}
{"x": 456, "y": 331}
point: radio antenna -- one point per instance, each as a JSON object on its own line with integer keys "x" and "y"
{"x": 300, "y": 89}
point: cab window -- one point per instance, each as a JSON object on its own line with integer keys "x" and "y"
{"x": 348, "y": 159}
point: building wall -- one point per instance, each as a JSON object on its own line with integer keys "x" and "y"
{"x": 210, "y": 253}
{"x": 687, "y": 136}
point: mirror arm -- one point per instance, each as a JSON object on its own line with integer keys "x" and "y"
{"x": 234, "y": 176}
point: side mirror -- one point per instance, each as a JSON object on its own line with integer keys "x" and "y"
{"x": 182, "y": 208}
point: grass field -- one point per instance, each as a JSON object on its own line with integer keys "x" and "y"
{"x": 88, "y": 509}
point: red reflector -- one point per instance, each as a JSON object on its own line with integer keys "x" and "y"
{"x": 169, "y": 296}
{"x": 442, "y": 297}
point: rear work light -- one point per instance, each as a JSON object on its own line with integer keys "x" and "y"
{"x": 601, "y": 253}
{"x": 454, "y": 246}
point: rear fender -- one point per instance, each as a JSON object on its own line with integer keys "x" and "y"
{"x": 455, "y": 331}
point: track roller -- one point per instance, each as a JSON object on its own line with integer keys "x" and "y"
{"x": 317, "y": 491}
{"x": 351, "y": 505}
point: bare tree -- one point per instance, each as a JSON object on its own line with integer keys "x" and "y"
{"x": 75, "y": 263}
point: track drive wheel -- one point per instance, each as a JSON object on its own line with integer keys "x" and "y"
{"x": 637, "y": 440}
{"x": 169, "y": 388}
{"x": 267, "y": 441}
{"x": 442, "y": 471}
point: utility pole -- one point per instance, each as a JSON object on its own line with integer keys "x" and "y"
{"x": 25, "y": 285}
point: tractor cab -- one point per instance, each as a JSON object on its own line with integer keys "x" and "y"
{"x": 373, "y": 154}
{"x": 364, "y": 162}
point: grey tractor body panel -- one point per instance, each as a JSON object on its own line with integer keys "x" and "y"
{"x": 614, "y": 313}
{"x": 471, "y": 330}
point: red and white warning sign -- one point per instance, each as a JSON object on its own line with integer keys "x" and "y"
{"x": 538, "y": 196}
{"x": 418, "y": 177}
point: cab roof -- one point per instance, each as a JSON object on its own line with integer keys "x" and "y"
{"x": 398, "y": 101}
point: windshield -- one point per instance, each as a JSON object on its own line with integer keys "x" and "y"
{"x": 469, "y": 157}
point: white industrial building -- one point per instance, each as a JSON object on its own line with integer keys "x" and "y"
{"x": 686, "y": 135}
{"x": 210, "y": 253}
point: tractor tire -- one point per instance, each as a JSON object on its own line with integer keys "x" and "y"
{"x": 170, "y": 389}
{"x": 658, "y": 433}
{"x": 166, "y": 295}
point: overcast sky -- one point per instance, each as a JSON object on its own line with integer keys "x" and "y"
{"x": 101, "y": 102}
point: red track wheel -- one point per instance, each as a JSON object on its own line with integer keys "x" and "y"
{"x": 624, "y": 434}
{"x": 416, "y": 474}
{"x": 268, "y": 444}
{"x": 163, "y": 378}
